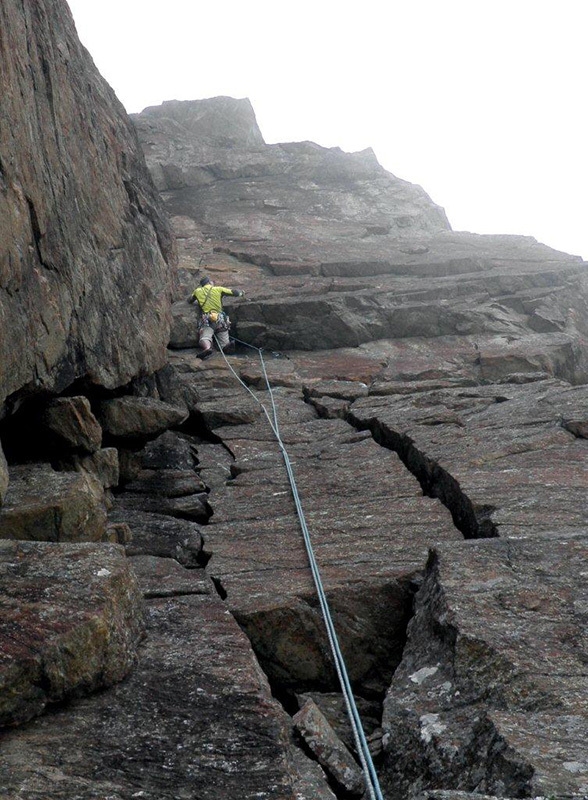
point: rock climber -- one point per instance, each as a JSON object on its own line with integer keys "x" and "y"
{"x": 213, "y": 320}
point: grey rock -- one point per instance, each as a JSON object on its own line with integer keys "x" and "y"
{"x": 72, "y": 618}
{"x": 498, "y": 456}
{"x": 332, "y": 705}
{"x": 103, "y": 465}
{"x": 165, "y": 577}
{"x": 310, "y": 781}
{"x": 129, "y": 464}
{"x": 307, "y": 187}
{"x": 184, "y": 327}
{"x": 229, "y": 408}
{"x": 159, "y": 535}
{"x": 258, "y": 556}
{"x": 166, "y": 483}
{"x": 490, "y": 695}
{"x": 161, "y": 733}
{"x": 169, "y": 451}
{"x": 194, "y": 507}
{"x": 119, "y": 533}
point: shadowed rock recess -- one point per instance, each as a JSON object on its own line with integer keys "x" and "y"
{"x": 161, "y": 635}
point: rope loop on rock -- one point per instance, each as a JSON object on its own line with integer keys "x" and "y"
{"x": 371, "y": 778}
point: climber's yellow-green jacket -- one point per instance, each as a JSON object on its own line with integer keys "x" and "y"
{"x": 210, "y": 297}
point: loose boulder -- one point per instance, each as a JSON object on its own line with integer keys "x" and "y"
{"x": 328, "y": 749}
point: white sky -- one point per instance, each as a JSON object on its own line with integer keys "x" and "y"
{"x": 481, "y": 102}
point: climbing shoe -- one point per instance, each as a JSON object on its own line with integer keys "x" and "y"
{"x": 205, "y": 354}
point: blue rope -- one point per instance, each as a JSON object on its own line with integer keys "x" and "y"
{"x": 365, "y": 757}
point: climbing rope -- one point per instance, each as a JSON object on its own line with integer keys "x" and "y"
{"x": 371, "y": 778}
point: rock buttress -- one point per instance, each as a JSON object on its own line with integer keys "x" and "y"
{"x": 86, "y": 254}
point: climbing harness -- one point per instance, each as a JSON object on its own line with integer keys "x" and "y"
{"x": 217, "y": 320}
{"x": 371, "y": 778}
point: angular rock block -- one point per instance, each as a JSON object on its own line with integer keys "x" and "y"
{"x": 193, "y": 507}
{"x": 229, "y": 409}
{"x": 138, "y": 417}
{"x": 167, "y": 483}
{"x": 103, "y": 465}
{"x": 310, "y": 782}
{"x": 71, "y": 422}
{"x": 168, "y": 451}
{"x": 70, "y": 622}
{"x": 47, "y": 506}
{"x": 491, "y": 693}
{"x": 159, "y": 535}
{"x": 333, "y": 707}
{"x": 328, "y": 749}
{"x": 165, "y": 577}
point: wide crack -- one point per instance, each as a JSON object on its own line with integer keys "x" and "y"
{"x": 291, "y": 646}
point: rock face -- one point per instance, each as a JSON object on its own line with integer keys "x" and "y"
{"x": 86, "y": 254}
{"x": 168, "y": 736}
{"x": 464, "y": 359}
{"x": 491, "y": 691}
{"x": 500, "y": 457}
